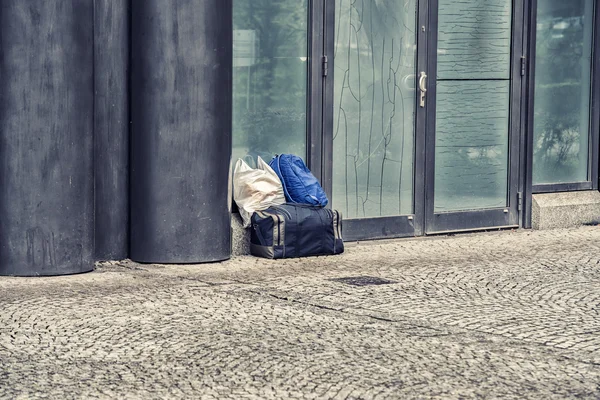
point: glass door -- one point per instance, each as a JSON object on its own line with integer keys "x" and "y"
{"x": 372, "y": 92}
{"x": 471, "y": 91}
{"x": 422, "y": 114}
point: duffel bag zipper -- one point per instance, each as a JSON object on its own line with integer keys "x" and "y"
{"x": 317, "y": 207}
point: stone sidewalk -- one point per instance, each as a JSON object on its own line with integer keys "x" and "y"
{"x": 492, "y": 315}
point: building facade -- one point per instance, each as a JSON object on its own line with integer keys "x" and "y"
{"x": 119, "y": 119}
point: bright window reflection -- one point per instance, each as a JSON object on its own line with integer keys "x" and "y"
{"x": 270, "y": 65}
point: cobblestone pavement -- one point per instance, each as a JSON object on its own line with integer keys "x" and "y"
{"x": 493, "y": 315}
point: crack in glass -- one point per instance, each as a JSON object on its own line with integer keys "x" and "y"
{"x": 374, "y": 109}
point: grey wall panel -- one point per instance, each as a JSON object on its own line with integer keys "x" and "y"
{"x": 181, "y": 132}
{"x": 46, "y": 137}
{"x": 111, "y": 128}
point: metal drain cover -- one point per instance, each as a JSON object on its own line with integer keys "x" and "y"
{"x": 363, "y": 281}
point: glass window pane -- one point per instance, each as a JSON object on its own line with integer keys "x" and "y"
{"x": 474, "y": 39}
{"x": 473, "y": 105}
{"x": 270, "y": 69}
{"x": 374, "y": 107}
{"x": 562, "y": 90}
{"x": 471, "y": 144}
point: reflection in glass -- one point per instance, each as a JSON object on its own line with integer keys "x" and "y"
{"x": 471, "y": 145}
{"x": 374, "y": 106}
{"x": 473, "y": 102}
{"x": 270, "y": 64}
{"x": 562, "y": 90}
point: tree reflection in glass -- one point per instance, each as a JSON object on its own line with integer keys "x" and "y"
{"x": 562, "y": 90}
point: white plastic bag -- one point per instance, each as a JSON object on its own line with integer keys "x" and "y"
{"x": 255, "y": 189}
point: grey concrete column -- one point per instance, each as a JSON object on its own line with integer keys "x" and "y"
{"x": 46, "y": 137}
{"x": 181, "y": 132}
{"x": 111, "y": 128}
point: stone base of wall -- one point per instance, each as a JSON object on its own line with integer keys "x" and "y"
{"x": 564, "y": 210}
{"x": 240, "y": 237}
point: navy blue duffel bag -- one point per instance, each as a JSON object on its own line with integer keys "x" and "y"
{"x": 296, "y": 230}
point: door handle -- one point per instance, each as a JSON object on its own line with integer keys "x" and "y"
{"x": 422, "y": 87}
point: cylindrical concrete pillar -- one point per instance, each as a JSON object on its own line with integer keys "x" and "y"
{"x": 46, "y": 137}
{"x": 111, "y": 128}
{"x": 181, "y": 132}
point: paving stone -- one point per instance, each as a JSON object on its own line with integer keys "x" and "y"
{"x": 496, "y": 315}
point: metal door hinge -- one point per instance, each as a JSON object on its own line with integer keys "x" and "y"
{"x": 520, "y": 201}
{"x": 325, "y": 66}
{"x": 523, "y": 65}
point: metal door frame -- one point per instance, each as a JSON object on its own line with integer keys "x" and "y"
{"x": 423, "y": 220}
{"x": 376, "y": 227}
{"x": 315, "y": 110}
{"x": 486, "y": 218}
